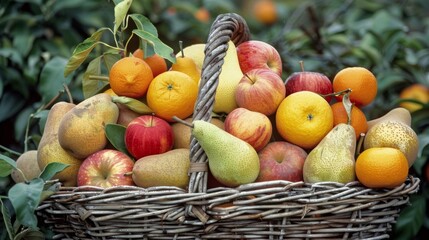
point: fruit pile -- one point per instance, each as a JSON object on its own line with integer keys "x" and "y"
{"x": 304, "y": 128}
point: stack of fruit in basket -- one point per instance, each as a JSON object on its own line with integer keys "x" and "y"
{"x": 303, "y": 128}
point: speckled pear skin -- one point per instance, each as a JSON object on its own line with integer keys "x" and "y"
{"x": 394, "y": 134}
{"x": 333, "y": 158}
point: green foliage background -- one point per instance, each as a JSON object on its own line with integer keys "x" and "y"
{"x": 388, "y": 37}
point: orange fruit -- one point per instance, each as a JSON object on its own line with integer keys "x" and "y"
{"x": 360, "y": 80}
{"x": 156, "y": 63}
{"x": 172, "y": 93}
{"x": 417, "y": 92}
{"x": 265, "y": 11}
{"x": 382, "y": 167}
{"x": 130, "y": 77}
{"x": 202, "y": 15}
{"x": 358, "y": 118}
{"x": 304, "y": 118}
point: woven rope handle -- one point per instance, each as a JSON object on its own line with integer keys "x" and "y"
{"x": 226, "y": 27}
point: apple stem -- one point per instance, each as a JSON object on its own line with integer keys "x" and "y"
{"x": 182, "y": 121}
{"x": 181, "y": 48}
{"x": 301, "y": 63}
{"x": 128, "y": 174}
{"x": 245, "y": 74}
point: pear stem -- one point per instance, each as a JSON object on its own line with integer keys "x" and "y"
{"x": 181, "y": 48}
{"x": 301, "y": 63}
{"x": 182, "y": 121}
{"x": 343, "y": 92}
{"x": 359, "y": 144}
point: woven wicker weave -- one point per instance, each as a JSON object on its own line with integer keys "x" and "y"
{"x": 266, "y": 210}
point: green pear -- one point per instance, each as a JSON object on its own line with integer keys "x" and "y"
{"x": 50, "y": 150}
{"x": 232, "y": 161}
{"x": 166, "y": 169}
{"x": 28, "y": 167}
{"x": 81, "y": 131}
{"x": 333, "y": 159}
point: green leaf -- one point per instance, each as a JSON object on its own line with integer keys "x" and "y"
{"x": 49, "y": 189}
{"x": 42, "y": 116}
{"x": 32, "y": 234}
{"x": 144, "y": 23}
{"x": 52, "y": 80}
{"x": 160, "y": 48}
{"x": 82, "y": 51}
{"x": 90, "y": 86}
{"x": 7, "y": 164}
{"x": 133, "y": 104}
{"x": 411, "y": 219}
{"x": 116, "y": 135}
{"x": 25, "y": 199}
{"x": 51, "y": 169}
{"x": 7, "y": 220}
{"x": 121, "y": 10}
{"x": 10, "y": 103}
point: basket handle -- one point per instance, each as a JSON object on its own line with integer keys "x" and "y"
{"x": 226, "y": 27}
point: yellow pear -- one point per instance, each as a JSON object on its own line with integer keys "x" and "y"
{"x": 195, "y": 52}
{"x": 229, "y": 78}
{"x": 28, "y": 166}
{"x": 81, "y": 131}
{"x": 397, "y": 114}
{"x": 165, "y": 169}
{"x": 393, "y": 134}
{"x": 50, "y": 150}
{"x": 187, "y": 65}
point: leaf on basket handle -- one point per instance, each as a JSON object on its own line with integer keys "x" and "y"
{"x": 51, "y": 169}
{"x": 116, "y": 135}
{"x": 7, "y": 164}
{"x": 133, "y": 104}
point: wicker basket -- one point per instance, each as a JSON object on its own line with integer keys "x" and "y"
{"x": 265, "y": 210}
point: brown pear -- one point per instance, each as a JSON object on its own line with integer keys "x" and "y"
{"x": 28, "y": 167}
{"x": 50, "y": 150}
{"x": 81, "y": 131}
{"x": 166, "y": 169}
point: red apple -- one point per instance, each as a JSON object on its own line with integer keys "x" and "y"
{"x": 257, "y": 54}
{"x": 309, "y": 81}
{"x": 253, "y": 127}
{"x": 281, "y": 160}
{"x": 106, "y": 168}
{"x": 260, "y": 90}
{"x": 147, "y": 135}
